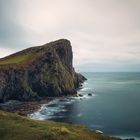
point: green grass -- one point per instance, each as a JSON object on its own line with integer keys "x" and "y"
{"x": 15, "y": 127}
{"x": 17, "y": 59}
{"x": 30, "y": 53}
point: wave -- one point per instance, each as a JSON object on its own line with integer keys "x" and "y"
{"x": 49, "y": 111}
{"x": 79, "y": 115}
{"x": 126, "y": 82}
{"x": 85, "y": 89}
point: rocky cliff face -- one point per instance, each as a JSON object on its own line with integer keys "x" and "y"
{"x": 39, "y": 72}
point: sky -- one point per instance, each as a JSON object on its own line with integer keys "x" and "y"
{"x": 105, "y": 34}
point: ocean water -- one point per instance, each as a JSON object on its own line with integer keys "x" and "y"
{"x": 113, "y": 108}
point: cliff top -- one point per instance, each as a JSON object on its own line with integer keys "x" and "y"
{"x": 28, "y": 55}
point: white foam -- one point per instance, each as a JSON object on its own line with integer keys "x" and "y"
{"x": 85, "y": 89}
{"x": 48, "y": 111}
{"x": 79, "y": 115}
{"x": 127, "y": 82}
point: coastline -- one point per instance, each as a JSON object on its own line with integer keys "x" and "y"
{"x": 26, "y": 108}
{"x": 23, "y": 108}
{"x": 30, "y": 107}
{"x": 14, "y": 126}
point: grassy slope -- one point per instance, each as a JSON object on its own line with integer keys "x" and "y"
{"x": 15, "y": 127}
{"x": 17, "y": 59}
{"x": 26, "y": 55}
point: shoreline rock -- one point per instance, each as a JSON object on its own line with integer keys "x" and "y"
{"x": 26, "y": 108}
{"x": 89, "y": 94}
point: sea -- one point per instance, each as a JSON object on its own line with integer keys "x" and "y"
{"x": 109, "y": 102}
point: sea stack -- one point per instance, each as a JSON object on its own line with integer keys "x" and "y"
{"x": 38, "y": 72}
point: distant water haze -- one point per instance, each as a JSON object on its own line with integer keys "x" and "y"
{"x": 113, "y": 107}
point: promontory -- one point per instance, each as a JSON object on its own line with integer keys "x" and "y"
{"x": 38, "y": 72}
{"x": 32, "y": 75}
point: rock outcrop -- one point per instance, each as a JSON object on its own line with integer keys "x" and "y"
{"x": 39, "y": 72}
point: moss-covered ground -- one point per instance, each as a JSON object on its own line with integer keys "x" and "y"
{"x": 17, "y": 59}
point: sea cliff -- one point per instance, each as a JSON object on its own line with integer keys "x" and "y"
{"x": 38, "y": 72}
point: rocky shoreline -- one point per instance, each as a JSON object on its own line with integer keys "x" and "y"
{"x": 26, "y": 108}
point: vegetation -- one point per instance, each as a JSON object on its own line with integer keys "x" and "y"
{"x": 14, "y": 59}
{"x": 27, "y": 55}
{"x": 15, "y": 127}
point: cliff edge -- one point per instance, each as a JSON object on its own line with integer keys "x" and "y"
{"x": 37, "y": 72}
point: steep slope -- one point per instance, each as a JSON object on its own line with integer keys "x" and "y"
{"x": 15, "y": 127}
{"x": 39, "y": 71}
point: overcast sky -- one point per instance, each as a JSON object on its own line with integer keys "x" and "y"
{"x": 105, "y": 34}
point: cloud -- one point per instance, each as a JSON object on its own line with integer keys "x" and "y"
{"x": 104, "y": 33}
{"x": 12, "y": 34}
{"x": 4, "y": 52}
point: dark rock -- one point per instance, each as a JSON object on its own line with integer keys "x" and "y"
{"x": 89, "y": 94}
{"x": 80, "y": 95}
{"x": 10, "y": 105}
{"x": 79, "y": 79}
{"x": 38, "y": 72}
